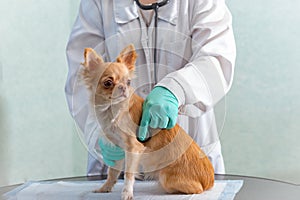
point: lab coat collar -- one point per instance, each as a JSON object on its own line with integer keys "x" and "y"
{"x": 169, "y": 12}
{"x": 127, "y": 10}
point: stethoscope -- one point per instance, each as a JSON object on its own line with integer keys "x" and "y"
{"x": 155, "y": 7}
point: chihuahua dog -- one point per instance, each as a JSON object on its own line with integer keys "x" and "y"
{"x": 170, "y": 156}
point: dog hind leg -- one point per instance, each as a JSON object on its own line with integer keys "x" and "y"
{"x": 173, "y": 184}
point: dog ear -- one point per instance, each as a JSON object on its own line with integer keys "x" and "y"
{"x": 128, "y": 57}
{"x": 91, "y": 59}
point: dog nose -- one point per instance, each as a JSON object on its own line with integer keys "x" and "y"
{"x": 122, "y": 87}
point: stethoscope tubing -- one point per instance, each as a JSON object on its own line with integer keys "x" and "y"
{"x": 151, "y": 6}
{"x": 155, "y": 7}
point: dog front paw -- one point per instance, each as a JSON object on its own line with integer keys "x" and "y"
{"x": 104, "y": 189}
{"x": 127, "y": 195}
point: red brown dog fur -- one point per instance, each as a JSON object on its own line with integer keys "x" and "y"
{"x": 170, "y": 155}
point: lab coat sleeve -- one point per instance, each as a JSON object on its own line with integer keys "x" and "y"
{"x": 208, "y": 75}
{"x": 87, "y": 32}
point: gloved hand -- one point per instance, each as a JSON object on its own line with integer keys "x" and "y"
{"x": 160, "y": 110}
{"x": 110, "y": 153}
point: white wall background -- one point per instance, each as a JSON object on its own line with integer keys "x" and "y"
{"x": 38, "y": 139}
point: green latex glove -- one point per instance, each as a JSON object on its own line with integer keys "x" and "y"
{"x": 110, "y": 153}
{"x": 160, "y": 110}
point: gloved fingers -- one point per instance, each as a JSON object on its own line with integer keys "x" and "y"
{"x": 102, "y": 143}
{"x": 113, "y": 154}
{"x": 108, "y": 162}
{"x": 164, "y": 122}
{"x": 159, "y": 118}
{"x": 154, "y": 122}
{"x": 158, "y": 121}
{"x": 144, "y": 125}
{"x": 143, "y": 132}
{"x": 110, "y": 152}
{"x": 171, "y": 122}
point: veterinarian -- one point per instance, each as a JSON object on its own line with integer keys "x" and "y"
{"x": 185, "y": 65}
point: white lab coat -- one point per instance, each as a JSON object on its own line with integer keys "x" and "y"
{"x": 196, "y": 56}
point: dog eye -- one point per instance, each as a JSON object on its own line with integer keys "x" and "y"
{"x": 128, "y": 82}
{"x": 108, "y": 83}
